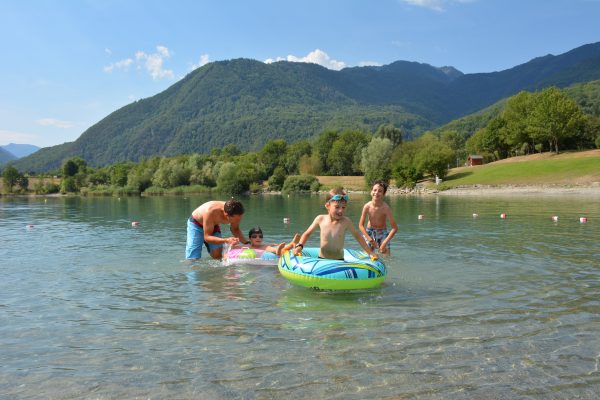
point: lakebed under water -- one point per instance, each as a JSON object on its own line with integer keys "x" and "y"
{"x": 473, "y": 307}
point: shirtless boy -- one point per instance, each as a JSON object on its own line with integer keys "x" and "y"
{"x": 333, "y": 226}
{"x": 203, "y": 227}
{"x": 378, "y": 211}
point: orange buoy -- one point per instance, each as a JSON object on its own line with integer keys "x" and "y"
{"x": 503, "y": 215}
{"x": 135, "y": 223}
{"x": 583, "y": 220}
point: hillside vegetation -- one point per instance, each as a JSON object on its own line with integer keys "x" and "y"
{"x": 247, "y": 103}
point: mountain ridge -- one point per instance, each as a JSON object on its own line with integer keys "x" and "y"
{"x": 247, "y": 102}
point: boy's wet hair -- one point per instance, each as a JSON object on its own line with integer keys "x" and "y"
{"x": 381, "y": 183}
{"x": 233, "y": 207}
{"x": 255, "y": 230}
{"x": 335, "y": 191}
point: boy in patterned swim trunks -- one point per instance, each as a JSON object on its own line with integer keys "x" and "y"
{"x": 378, "y": 211}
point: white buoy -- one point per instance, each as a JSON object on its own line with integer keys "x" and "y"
{"x": 555, "y": 218}
{"x": 503, "y": 215}
{"x": 30, "y": 226}
{"x": 286, "y": 220}
{"x": 475, "y": 215}
{"x": 421, "y": 216}
{"x": 135, "y": 223}
{"x": 583, "y": 220}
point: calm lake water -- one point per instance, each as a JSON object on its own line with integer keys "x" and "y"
{"x": 91, "y": 307}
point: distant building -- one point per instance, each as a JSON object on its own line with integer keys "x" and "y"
{"x": 474, "y": 159}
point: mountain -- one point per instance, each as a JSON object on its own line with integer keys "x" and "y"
{"x": 20, "y": 150}
{"x": 247, "y": 102}
{"x": 6, "y": 156}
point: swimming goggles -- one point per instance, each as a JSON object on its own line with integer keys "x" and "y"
{"x": 339, "y": 197}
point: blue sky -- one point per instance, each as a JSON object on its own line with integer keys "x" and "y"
{"x": 68, "y": 64}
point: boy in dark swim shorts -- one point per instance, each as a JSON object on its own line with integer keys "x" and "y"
{"x": 378, "y": 211}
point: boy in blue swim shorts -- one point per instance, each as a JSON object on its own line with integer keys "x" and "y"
{"x": 204, "y": 228}
{"x": 378, "y": 212}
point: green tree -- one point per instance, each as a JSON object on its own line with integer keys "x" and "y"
{"x": 72, "y": 166}
{"x": 434, "y": 158}
{"x": 346, "y": 153}
{"x": 23, "y": 182}
{"x": 376, "y": 160}
{"x": 277, "y": 180}
{"x": 272, "y": 155}
{"x": 390, "y": 132}
{"x": 323, "y": 146}
{"x": 555, "y": 117}
{"x": 10, "y": 176}
{"x": 294, "y": 153}
{"x": 515, "y": 128}
{"x": 230, "y": 180}
{"x": 405, "y": 170}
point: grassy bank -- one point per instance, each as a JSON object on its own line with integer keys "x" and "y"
{"x": 581, "y": 168}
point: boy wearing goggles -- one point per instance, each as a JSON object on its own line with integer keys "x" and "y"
{"x": 333, "y": 227}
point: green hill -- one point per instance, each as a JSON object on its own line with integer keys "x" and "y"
{"x": 247, "y": 102}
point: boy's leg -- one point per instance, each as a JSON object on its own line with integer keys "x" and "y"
{"x": 215, "y": 250}
{"x": 282, "y": 248}
{"x": 195, "y": 239}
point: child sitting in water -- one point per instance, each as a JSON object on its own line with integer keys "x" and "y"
{"x": 256, "y": 243}
{"x": 333, "y": 226}
{"x": 378, "y": 212}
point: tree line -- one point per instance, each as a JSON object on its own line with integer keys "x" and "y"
{"x": 546, "y": 120}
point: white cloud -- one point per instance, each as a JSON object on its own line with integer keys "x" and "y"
{"x": 204, "y": 59}
{"x": 154, "y": 62}
{"x": 316, "y": 57}
{"x": 151, "y": 62}
{"x": 55, "y": 123}
{"x": 122, "y": 64}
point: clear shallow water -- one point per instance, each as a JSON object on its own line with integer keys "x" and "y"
{"x": 91, "y": 307}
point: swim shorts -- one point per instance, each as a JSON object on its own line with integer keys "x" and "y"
{"x": 378, "y": 235}
{"x": 195, "y": 239}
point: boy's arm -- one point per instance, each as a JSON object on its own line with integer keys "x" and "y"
{"x": 361, "y": 226}
{"x": 360, "y": 240}
{"x": 307, "y": 233}
{"x": 237, "y": 232}
{"x": 394, "y": 225}
{"x": 209, "y": 227}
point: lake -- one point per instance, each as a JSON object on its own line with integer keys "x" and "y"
{"x": 473, "y": 307}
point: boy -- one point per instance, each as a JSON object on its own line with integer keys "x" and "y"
{"x": 333, "y": 226}
{"x": 203, "y": 227}
{"x": 376, "y": 233}
{"x": 256, "y": 243}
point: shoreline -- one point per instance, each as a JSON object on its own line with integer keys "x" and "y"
{"x": 592, "y": 189}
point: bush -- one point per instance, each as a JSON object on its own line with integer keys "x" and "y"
{"x": 301, "y": 183}
{"x": 598, "y": 142}
{"x": 231, "y": 181}
{"x": 277, "y": 180}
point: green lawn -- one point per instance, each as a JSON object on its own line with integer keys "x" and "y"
{"x": 561, "y": 169}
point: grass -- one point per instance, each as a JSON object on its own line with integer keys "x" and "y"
{"x": 547, "y": 169}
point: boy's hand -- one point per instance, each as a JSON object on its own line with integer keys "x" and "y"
{"x": 298, "y": 249}
{"x": 232, "y": 240}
